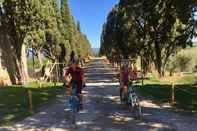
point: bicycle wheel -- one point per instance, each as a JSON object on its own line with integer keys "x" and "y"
{"x": 130, "y": 102}
{"x": 137, "y": 111}
{"x": 74, "y": 108}
{"x": 73, "y": 117}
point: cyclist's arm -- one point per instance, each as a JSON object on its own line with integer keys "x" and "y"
{"x": 66, "y": 74}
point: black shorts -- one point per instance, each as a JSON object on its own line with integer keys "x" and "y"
{"x": 125, "y": 83}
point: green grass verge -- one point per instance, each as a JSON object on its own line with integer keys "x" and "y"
{"x": 160, "y": 93}
{"x": 14, "y": 103}
{"x": 188, "y": 79}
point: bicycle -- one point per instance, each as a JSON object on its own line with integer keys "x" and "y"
{"x": 74, "y": 103}
{"x": 132, "y": 101}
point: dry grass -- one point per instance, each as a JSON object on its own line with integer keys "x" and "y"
{"x": 4, "y": 78}
{"x": 171, "y": 79}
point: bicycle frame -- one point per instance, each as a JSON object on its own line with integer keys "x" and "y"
{"x": 132, "y": 97}
{"x": 74, "y": 101}
{"x": 133, "y": 102}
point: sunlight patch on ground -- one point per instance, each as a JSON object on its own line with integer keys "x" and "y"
{"x": 84, "y": 123}
{"x": 56, "y": 129}
{"x": 43, "y": 113}
{"x": 83, "y": 111}
{"x": 19, "y": 125}
{"x": 113, "y": 98}
{"x": 120, "y": 118}
{"x": 100, "y": 73}
{"x": 158, "y": 125}
{"x": 103, "y": 84}
{"x": 166, "y": 105}
{"x": 142, "y": 124}
{"x": 149, "y": 104}
{"x": 147, "y": 114}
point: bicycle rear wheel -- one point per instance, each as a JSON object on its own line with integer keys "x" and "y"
{"x": 73, "y": 117}
{"x": 137, "y": 111}
{"x": 134, "y": 106}
{"x": 74, "y": 108}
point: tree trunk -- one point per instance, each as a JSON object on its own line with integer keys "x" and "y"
{"x": 16, "y": 65}
{"x": 7, "y": 54}
{"x": 158, "y": 61}
{"x": 0, "y": 56}
{"x": 40, "y": 58}
{"x": 23, "y": 64}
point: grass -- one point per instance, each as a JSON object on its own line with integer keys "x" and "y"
{"x": 188, "y": 79}
{"x": 14, "y": 103}
{"x": 160, "y": 93}
{"x": 30, "y": 63}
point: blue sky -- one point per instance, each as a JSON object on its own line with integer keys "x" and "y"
{"x": 91, "y": 14}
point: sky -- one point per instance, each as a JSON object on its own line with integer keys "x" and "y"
{"x": 91, "y": 14}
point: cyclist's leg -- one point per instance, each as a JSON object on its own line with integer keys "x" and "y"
{"x": 74, "y": 88}
{"x": 121, "y": 91}
{"x": 80, "y": 101}
{"x": 79, "y": 95}
{"x": 125, "y": 91}
{"x": 79, "y": 90}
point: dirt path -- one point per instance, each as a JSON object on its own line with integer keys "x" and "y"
{"x": 103, "y": 111}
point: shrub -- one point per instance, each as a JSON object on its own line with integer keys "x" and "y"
{"x": 181, "y": 62}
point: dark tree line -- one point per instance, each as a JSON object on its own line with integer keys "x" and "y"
{"x": 153, "y": 29}
{"x": 41, "y": 26}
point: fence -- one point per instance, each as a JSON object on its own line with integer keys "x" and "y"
{"x": 52, "y": 72}
{"x": 174, "y": 88}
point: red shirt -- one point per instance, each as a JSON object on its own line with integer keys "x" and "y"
{"x": 125, "y": 75}
{"x": 77, "y": 74}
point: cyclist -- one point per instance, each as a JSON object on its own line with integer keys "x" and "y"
{"x": 80, "y": 60}
{"x": 66, "y": 79}
{"x": 124, "y": 78}
{"x": 77, "y": 77}
{"x": 133, "y": 72}
{"x": 72, "y": 58}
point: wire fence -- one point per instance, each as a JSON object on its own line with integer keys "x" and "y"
{"x": 186, "y": 91}
{"x": 174, "y": 92}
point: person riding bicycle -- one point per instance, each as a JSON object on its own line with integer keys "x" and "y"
{"x": 80, "y": 60}
{"x": 67, "y": 79}
{"x": 124, "y": 78}
{"x": 72, "y": 58}
{"x": 77, "y": 77}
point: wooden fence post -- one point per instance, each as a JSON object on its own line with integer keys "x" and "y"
{"x": 173, "y": 94}
{"x": 30, "y": 101}
{"x": 142, "y": 71}
{"x": 40, "y": 84}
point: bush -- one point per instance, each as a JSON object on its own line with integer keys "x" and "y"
{"x": 172, "y": 65}
{"x": 183, "y": 62}
{"x": 180, "y": 62}
{"x": 195, "y": 67}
